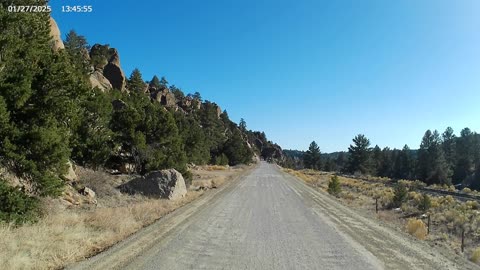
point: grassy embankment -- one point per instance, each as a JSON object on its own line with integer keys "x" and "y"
{"x": 68, "y": 233}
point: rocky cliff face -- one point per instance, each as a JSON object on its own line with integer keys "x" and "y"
{"x": 57, "y": 43}
{"x": 114, "y": 72}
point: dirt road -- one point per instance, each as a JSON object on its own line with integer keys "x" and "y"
{"x": 269, "y": 220}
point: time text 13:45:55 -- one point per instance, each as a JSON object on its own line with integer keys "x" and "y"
{"x": 78, "y": 9}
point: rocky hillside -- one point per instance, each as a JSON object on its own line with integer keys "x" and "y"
{"x": 64, "y": 103}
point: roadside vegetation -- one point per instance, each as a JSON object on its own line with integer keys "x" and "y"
{"x": 408, "y": 209}
{"x": 67, "y": 233}
{"x": 391, "y": 181}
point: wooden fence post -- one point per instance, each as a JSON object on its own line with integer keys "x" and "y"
{"x": 376, "y": 205}
{"x": 463, "y": 240}
{"x": 428, "y": 224}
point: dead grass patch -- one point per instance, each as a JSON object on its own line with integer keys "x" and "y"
{"x": 475, "y": 257}
{"x": 215, "y": 168}
{"x": 417, "y": 228}
{"x": 67, "y": 236}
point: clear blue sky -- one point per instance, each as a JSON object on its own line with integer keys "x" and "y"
{"x": 306, "y": 70}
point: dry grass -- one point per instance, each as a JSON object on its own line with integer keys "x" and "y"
{"x": 208, "y": 183}
{"x": 216, "y": 168}
{"x": 417, "y": 228}
{"x": 68, "y": 236}
{"x": 475, "y": 257}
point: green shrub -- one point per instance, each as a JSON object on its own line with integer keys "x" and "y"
{"x": 15, "y": 206}
{"x": 425, "y": 203}
{"x": 334, "y": 186}
{"x": 221, "y": 160}
{"x": 400, "y": 194}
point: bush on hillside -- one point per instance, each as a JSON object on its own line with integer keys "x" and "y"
{"x": 334, "y": 186}
{"x": 400, "y": 195}
{"x": 15, "y": 206}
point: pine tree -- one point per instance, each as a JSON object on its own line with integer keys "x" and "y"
{"x": 377, "y": 160}
{"x": 334, "y": 187}
{"x": 42, "y": 93}
{"x": 404, "y": 165}
{"x": 432, "y": 166}
{"x": 449, "y": 145}
{"x": 77, "y": 48}
{"x": 464, "y": 156}
{"x": 155, "y": 82}
{"x": 236, "y": 149}
{"x": 312, "y": 158}
{"x": 164, "y": 82}
{"x": 135, "y": 82}
{"x": 243, "y": 125}
{"x": 92, "y": 141}
{"x": 359, "y": 159}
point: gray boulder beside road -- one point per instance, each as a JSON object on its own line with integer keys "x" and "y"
{"x": 167, "y": 184}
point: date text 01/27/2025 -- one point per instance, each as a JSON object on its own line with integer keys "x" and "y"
{"x": 37, "y": 9}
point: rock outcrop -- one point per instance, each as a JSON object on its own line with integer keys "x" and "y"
{"x": 158, "y": 184}
{"x": 70, "y": 175}
{"x": 114, "y": 72}
{"x": 57, "y": 43}
{"x": 98, "y": 80}
{"x": 165, "y": 97}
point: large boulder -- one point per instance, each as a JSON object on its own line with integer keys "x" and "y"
{"x": 165, "y": 97}
{"x": 98, "y": 80}
{"x": 159, "y": 184}
{"x": 114, "y": 72}
{"x": 57, "y": 42}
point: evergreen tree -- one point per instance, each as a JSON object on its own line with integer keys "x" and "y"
{"x": 193, "y": 136}
{"x": 236, "y": 149}
{"x": 404, "y": 165}
{"x": 164, "y": 82}
{"x": 359, "y": 159}
{"x": 177, "y": 92}
{"x": 312, "y": 158}
{"x": 400, "y": 194}
{"x": 432, "y": 166}
{"x": 387, "y": 162}
{"x": 135, "y": 83}
{"x": 41, "y": 92}
{"x": 243, "y": 125}
{"x": 77, "y": 48}
{"x": 377, "y": 159}
{"x": 197, "y": 96}
{"x": 341, "y": 161}
{"x": 334, "y": 187}
{"x": 330, "y": 165}
{"x": 449, "y": 146}
{"x": 92, "y": 141}
{"x": 155, "y": 82}
{"x": 464, "y": 156}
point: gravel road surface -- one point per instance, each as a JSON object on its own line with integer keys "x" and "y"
{"x": 269, "y": 220}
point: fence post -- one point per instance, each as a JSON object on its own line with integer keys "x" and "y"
{"x": 463, "y": 239}
{"x": 428, "y": 224}
{"x": 376, "y": 205}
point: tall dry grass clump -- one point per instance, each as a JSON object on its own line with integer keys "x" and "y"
{"x": 417, "y": 228}
{"x": 475, "y": 257}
